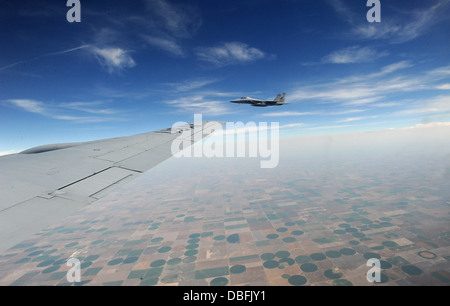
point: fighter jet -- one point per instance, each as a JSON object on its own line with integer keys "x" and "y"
{"x": 279, "y": 100}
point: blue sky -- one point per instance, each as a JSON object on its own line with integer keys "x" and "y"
{"x": 132, "y": 67}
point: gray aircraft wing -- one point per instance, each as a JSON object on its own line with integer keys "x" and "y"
{"x": 40, "y": 186}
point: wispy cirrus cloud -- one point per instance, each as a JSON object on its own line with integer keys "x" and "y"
{"x": 63, "y": 111}
{"x": 31, "y": 106}
{"x": 180, "y": 20}
{"x": 167, "y": 24}
{"x": 434, "y": 105}
{"x": 443, "y": 86}
{"x": 351, "y": 119}
{"x": 365, "y": 89}
{"x": 406, "y": 25}
{"x": 441, "y": 71}
{"x": 189, "y": 85}
{"x": 387, "y": 93}
{"x": 287, "y": 114}
{"x": 166, "y": 44}
{"x": 43, "y": 56}
{"x": 112, "y": 58}
{"x": 355, "y": 54}
{"x": 391, "y": 69}
{"x": 416, "y": 23}
{"x": 229, "y": 53}
{"x": 162, "y": 24}
{"x": 199, "y": 104}
{"x": 429, "y": 125}
{"x": 89, "y": 107}
{"x": 318, "y": 112}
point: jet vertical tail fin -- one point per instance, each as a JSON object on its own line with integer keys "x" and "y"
{"x": 280, "y": 99}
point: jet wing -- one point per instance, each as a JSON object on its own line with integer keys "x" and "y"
{"x": 40, "y": 186}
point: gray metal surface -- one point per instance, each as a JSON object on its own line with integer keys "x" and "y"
{"x": 40, "y": 186}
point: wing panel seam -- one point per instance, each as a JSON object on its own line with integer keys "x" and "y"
{"x": 60, "y": 188}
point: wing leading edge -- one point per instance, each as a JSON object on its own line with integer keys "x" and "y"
{"x": 40, "y": 186}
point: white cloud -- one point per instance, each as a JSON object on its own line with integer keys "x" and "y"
{"x": 384, "y": 71}
{"x": 200, "y": 105}
{"x": 417, "y": 23}
{"x": 293, "y": 125}
{"x": 345, "y": 112}
{"x": 114, "y": 59}
{"x": 2, "y": 153}
{"x": 180, "y": 20}
{"x": 89, "y": 107}
{"x": 166, "y": 23}
{"x": 351, "y": 119}
{"x": 386, "y": 104}
{"x": 391, "y": 92}
{"x": 332, "y": 127}
{"x": 321, "y": 113}
{"x": 443, "y": 86}
{"x": 31, "y": 106}
{"x": 230, "y": 53}
{"x": 434, "y": 105}
{"x": 59, "y": 112}
{"x": 165, "y": 44}
{"x": 287, "y": 114}
{"x": 192, "y": 84}
{"x": 45, "y": 55}
{"x": 378, "y": 31}
{"x": 369, "y": 88}
{"x": 85, "y": 119}
{"x": 392, "y": 68}
{"x": 429, "y": 125}
{"x": 354, "y": 54}
{"x": 364, "y": 101}
{"x": 441, "y": 71}
{"x": 407, "y": 24}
